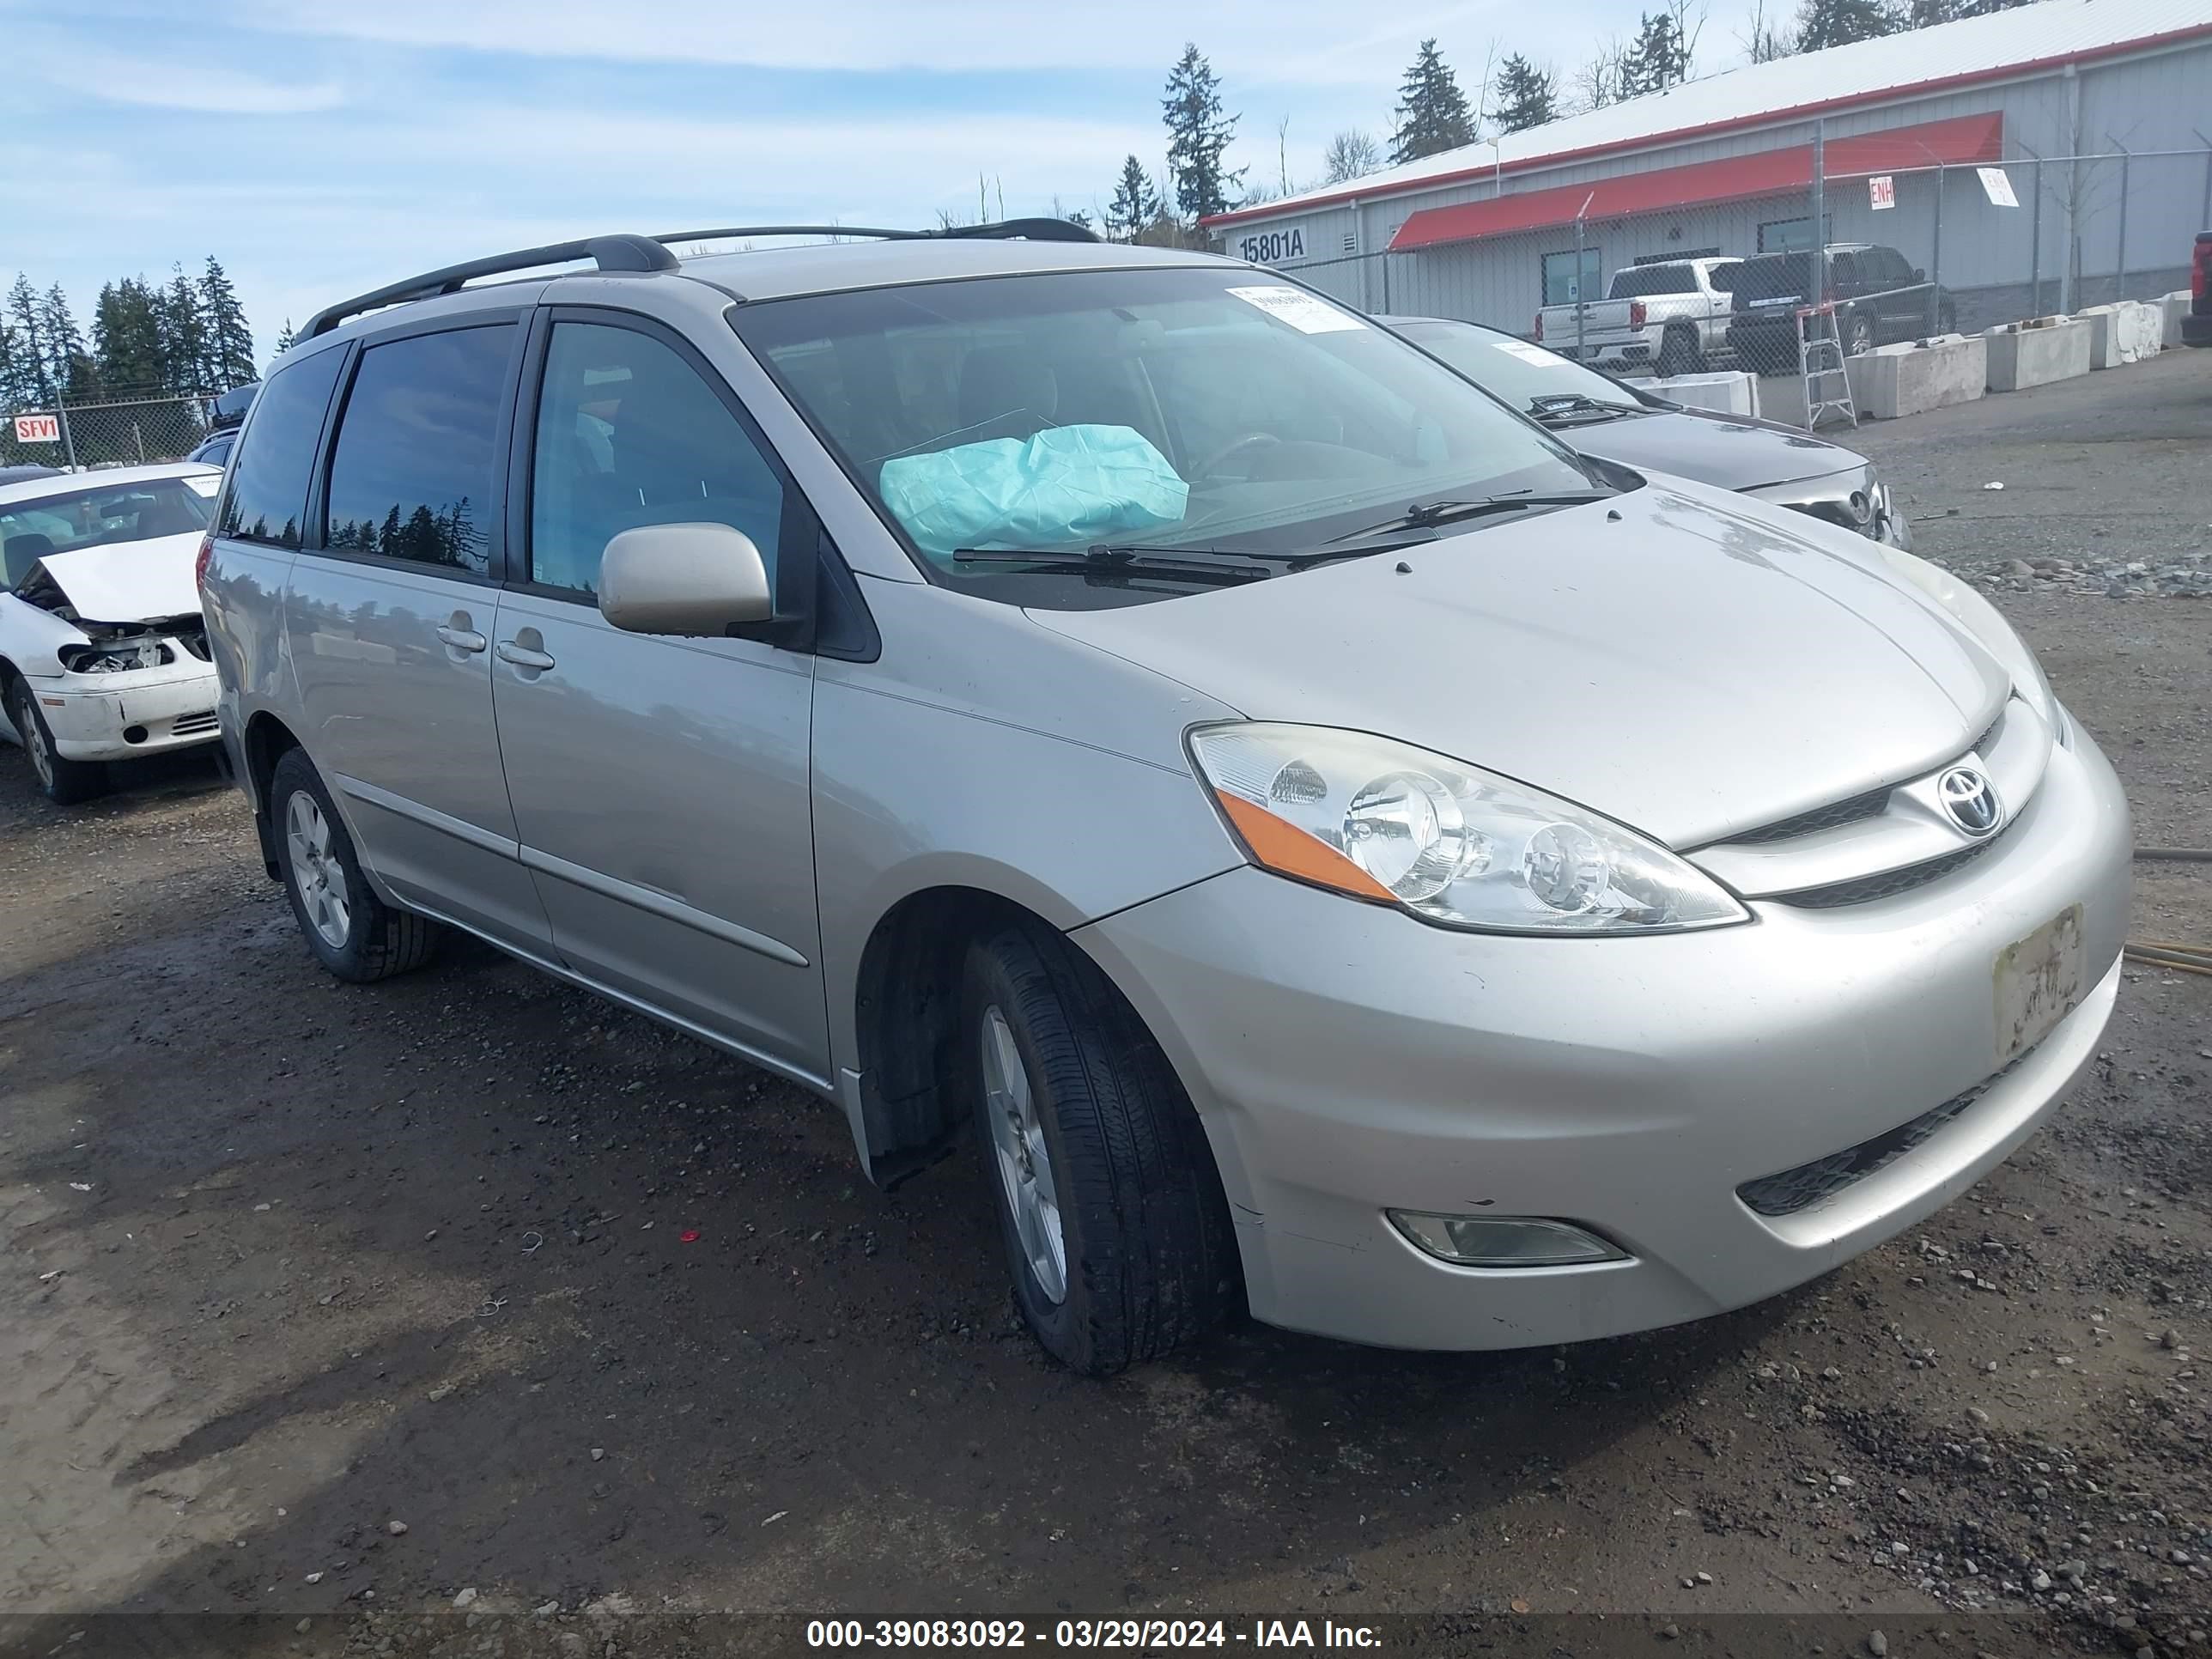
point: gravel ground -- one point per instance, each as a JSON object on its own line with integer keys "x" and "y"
{"x": 471, "y": 1289}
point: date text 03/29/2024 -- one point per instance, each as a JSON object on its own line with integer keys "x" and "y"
{"x": 1286, "y": 1635}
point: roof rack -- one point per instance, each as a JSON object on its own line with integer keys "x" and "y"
{"x": 1033, "y": 230}
{"x": 628, "y": 252}
{"x": 608, "y": 253}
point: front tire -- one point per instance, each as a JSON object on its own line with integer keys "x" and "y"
{"x": 1111, "y": 1211}
{"x": 351, "y": 932}
{"x": 61, "y": 781}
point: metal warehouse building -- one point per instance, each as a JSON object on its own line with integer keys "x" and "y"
{"x": 2097, "y": 113}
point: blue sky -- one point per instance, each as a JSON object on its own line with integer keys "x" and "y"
{"x": 322, "y": 147}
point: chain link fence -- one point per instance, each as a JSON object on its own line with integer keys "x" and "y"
{"x": 122, "y": 433}
{"x": 1977, "y": 245}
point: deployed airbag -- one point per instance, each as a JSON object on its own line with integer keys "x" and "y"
{"x": 1067, "y": 484}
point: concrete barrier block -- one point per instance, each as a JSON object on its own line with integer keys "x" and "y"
{"x": 2146, "y": 329}
{"x": 2174, "y": 306}
{"x": 2022, "y": 355}
{"x": 1919, "y": 375}
{"x": 1721, "y": 394}
{"x": 2104, "y": 334}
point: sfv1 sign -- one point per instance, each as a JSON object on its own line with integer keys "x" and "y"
{"x": 38, "y": 430}
{"x": 1272, "y": 247}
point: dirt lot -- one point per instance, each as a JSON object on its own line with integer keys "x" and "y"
{"x": 599, "y": 1317}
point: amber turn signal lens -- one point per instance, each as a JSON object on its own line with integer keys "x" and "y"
{"x": 1290, "y": 851}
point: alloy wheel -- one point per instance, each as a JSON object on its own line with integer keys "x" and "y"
{"x": 1024, "y": 1161}
{"x": 316, "y": 871}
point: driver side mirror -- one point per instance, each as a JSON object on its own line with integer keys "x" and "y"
{"x": 695, "y": 580}
{"x": 1918, "y": 275}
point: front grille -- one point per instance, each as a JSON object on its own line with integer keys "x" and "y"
{"x": 184, "y": 725}
{"x": 1871, "y": 804}
{"x": 1808, "y": 1184}
{"x": 1855, "y": 809}
{"x": 1885, "y": 884}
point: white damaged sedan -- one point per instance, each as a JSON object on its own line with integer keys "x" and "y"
{"x": 103, "y": 653}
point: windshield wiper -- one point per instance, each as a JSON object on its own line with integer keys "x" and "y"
{"x": 1428, "y": 516}
{"x": 1198, "y": 564}
{"x": 1577, "y": 403}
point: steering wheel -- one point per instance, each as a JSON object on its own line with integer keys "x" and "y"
{"x": 1243, "y": 441}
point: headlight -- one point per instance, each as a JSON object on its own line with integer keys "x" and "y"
{"x": 112, "y": 659}
{"x": 1452, "y": 844}
{"x": 1984, "y": 621}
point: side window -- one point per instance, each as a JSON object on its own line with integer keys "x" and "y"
{"x": 269, "y": 485}
{"x": 411, "y": 472}
{"x": 629, "y": 434}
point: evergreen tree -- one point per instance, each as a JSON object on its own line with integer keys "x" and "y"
{"x": 285, "y": 337}
{"x": 1351, "y": 155}
{"x": 1198, "y": 136}
{"x": 1657, "y": 58}
{"x": 1135, "y": 205}
{"x": 1527, "y": 96}
{"x": 183, "y": 334}
{"x": 15, "y": 374}
{"x": 229, "y": 341}
{"x": 70, "y": 367}
{"x": 1823, "y": 23}
{"x": 26, "y": 323}
{"x": 1432, "y": 111}
{"x": 127, "y": 341}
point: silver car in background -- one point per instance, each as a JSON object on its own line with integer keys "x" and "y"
{"x": 1338, "y": 852}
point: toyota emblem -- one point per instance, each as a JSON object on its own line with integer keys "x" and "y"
{"x": 1968, "y": 800}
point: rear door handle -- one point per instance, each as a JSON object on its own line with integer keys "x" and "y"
{"x": 522, "y": 656}
{"x": 461, "y": 639}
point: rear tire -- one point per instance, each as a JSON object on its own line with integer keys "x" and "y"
{"x": 1859, "y": 335}
{"x": 351, "y": 932}
{"x": 1109, "y": 1206}
{"x": 1679, "y": 353}
{"x": 61, "y": 781}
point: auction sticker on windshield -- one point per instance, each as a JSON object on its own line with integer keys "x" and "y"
{"x": 1528, "y": 353}
{"x": 1300, "y": 309}
{"x": 2038, "y": 981}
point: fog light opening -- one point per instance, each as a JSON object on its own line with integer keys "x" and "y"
{"x": 134, "y": 734}
{"x": 1503, "y": 1241}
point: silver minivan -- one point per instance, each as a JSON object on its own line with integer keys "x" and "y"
{"x": 1339, "y": 853}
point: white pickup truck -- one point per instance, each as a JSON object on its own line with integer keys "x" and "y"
{"x": 1667, "y": 315}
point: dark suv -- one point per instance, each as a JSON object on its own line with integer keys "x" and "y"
{"x": 2197, "y": 323}
{"x": 1879, "y": 299}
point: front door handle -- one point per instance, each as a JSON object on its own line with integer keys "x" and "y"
{"x": 522, "y": 656}
{"x": 461, "y": 639}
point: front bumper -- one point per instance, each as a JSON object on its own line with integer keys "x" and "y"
{"x": 143, "y": 712}
{"x": 1347, "y": 1058}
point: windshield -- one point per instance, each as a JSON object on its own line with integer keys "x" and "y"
{"x": 1201, "y": 408}
{"x": 98, "y": 515}
{"x": 1513, "y": 369}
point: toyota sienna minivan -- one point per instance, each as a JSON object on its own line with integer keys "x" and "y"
{"x": 1334, "y": 851}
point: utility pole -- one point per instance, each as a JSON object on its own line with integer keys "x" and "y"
{"x": 1581, "y": 304}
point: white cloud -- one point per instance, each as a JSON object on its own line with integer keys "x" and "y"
{"x": 1266, "y": 39}
{"x": 169, "y": 82}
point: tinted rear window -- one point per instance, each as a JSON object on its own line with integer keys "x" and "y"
{"x": 269, "y": 486}
{"x": 1654, "y": 279}
{"x": 1772, "y": 276}
{"x": 411, "y": 473}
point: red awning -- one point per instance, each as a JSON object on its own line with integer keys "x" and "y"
{"x": 1966, "y": 141}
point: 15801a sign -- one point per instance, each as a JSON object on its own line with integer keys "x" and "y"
{"x": 38, "y": 430}
{"x": 1272, "y": 247}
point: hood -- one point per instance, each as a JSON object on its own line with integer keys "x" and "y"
{"x": 1725, "y": 451}
{"x": 149, "y": 581}
{"x": 1694, "y": 667}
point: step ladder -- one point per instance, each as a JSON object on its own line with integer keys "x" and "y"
{"x": 1820, "y": 362}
